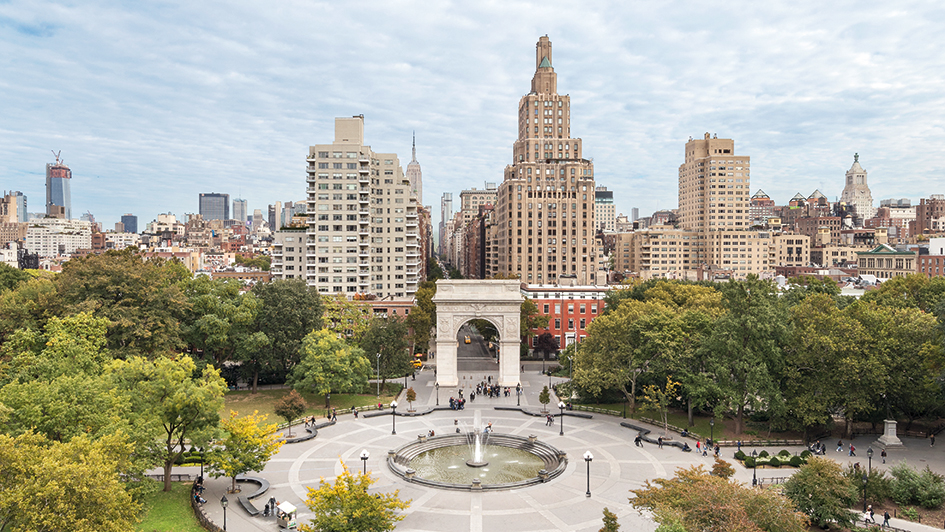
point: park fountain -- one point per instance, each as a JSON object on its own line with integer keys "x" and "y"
{"x": 477, "y": 441}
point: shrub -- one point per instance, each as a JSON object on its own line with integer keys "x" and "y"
{"x": 784, "y": 452}
{"x": 909, "y": 513}
{"x": 739, "y": 455}
{"x": 878, "y": 487}
{"x": 796, "y": 461}
{"x": 763, "y": 454}
{"x": 774, "y": 462}
{"x": 749, "y": 461}
{"x": 909, "y": 486}
{"x": 721, "y": 468}
{"x": 806, "y": 454}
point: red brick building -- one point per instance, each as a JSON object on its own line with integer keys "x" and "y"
{"x": 570, "y": 309}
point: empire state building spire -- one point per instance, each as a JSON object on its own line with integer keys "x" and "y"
{"x": 414, "y": 175}
{"x": 414, "y": 159}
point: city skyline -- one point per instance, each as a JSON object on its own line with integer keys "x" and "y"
{"x": 154, "y": 106}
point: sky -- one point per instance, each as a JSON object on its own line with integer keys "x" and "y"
{"x": 152, "y": 103}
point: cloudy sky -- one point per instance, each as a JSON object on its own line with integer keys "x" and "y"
{"x": 152, "y": 103}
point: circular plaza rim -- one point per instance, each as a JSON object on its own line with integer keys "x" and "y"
{"x": 555, "y": 460}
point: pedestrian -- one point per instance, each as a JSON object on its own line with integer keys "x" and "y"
{"x": 839, "y": 445}
{"x": 932, "y": 439}
{"x": 638, "y": 441}
{"x": 869, "y": 510}
{"x": 883, "y": 454}
{"x": 659, "y": 442}
{"x": 698, "y": 447}
{"x": 885, "y": 518}
{"x": 355, "y": 412}
{"x": 739, "y": 443}
{"x": 852, "y": 450}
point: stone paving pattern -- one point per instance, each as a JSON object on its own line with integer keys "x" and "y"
{"x": 559, "y": 505}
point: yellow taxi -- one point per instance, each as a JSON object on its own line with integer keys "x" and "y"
{"x": 468, "y": 341}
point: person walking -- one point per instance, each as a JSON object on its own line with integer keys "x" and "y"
{"x": 659, "y": 442}
{"x": 885, "y": 518}
{"x": 852, "y": 450}
{"x": 883, "y": 454}
{"x": 932, "y": 439}
{"x": 839, "y": 445}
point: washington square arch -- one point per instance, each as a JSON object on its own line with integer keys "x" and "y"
{"x": 458, "y": 301}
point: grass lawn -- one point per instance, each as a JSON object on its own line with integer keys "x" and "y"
{"x": 170, "y": 512}
{"x": 264, "y": 401}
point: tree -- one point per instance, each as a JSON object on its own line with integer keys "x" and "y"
{"x": 659, "y": 399}
{"x": 422, "y": 317}
{"x": 388, "y": 337}
{"x": 721, "y": 468}
{"x": 28, "y": 306}
{"x": 181, "y": 404}
{"x": 544, "y": 398}
{"x": 349, "y": 319}
{"x": 531, "y": 320}
{"x": 411, "y": 397}
{"x": 247, "y": 446}
{"x": 820, "y": 490}
{"x": 696, "y": 500}
{"x": 222, "y": 320}
{"x": 329, "y": 364}
{"x": 610, "y": 522}
{"x": 74, "y": 486}
{"x": 911, "y": 291}
{"x": 142, "y": 299}
{"x": 10, "y": 276}
{"x": 744, "y": 349}
{"x": 290, "y": 310}
{"x": 347, "y": 506}
{"x": 545, "y": 344}
{"x": 290, "y": 407}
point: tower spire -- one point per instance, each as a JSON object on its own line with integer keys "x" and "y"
{"x": 414, "y": 147}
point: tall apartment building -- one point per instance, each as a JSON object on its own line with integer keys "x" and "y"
{"x": 446, "y": 214}
{"x": 51, "y": 237}
{"x": 929, "y": 216}
{"x": 58, "y": 189}
{"x": 240, "y": 210}
{"x": 605, "y": 213}
{"x": 130, "y": 223}
{"x": 288, "y": 253}
{"x": 363, "y": 232}
{"x": 215, "y": 206}
{"x": 13, "y": 207}
{"x": 856, "y": 192}
{"x": 546, "y": 200}
{"x": 471, "y": 200}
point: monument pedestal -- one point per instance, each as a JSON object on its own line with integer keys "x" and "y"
{"x": 889, "y": 437}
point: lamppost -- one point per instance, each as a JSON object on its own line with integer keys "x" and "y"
{"x": 587, "y": 458}
{"x": 223, "y": 503}
{"x": 869, "y": 454}
{"x": 405, "y": 381}
{"x": 378, "y": 376}
{"x": 518, "y": 394}
{"x": 754, "y": 469}
{"x": 865, "y": 480}
{"x": 561, "y": 421}
{"x": 364, "y": 457}
{"x": 712, "y": 430}
{"x": 393, "y": 417}
{"x": 201, "y": 463}
{"x": 437, "y": 386}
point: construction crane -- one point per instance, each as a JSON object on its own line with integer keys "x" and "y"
{"x": 54, "y": 152}
{"x": 91, "y": 216}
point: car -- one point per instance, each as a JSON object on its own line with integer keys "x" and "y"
{"x": 417, "y": 364}
{"x": 468, "y": 341}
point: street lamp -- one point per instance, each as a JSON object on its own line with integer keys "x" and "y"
{"x": 587, "y": 458}
{"x": 223, "y": 503}
{"x": 712, "y": 430}
{"x": 437, "y": 386}
{"x": 865, "y": 480}
{"x": 754, "y": 469}
{"x": 869, "y": 454}
{"x": 378, "y": 376}
{"x": 561, "y": 421}
{"x": 364, "y": 457}
{"x": 393, "y": 417}
{"x": 202, "y": 456}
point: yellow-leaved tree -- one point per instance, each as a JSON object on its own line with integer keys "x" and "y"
{"x": 247, "y": 446}
{"x": 346, "y": 506}
{"x": 658, "y": 399}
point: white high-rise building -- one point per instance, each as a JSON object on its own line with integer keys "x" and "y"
{"x": 240, "y": 210}
{"x": 857, "y": 193}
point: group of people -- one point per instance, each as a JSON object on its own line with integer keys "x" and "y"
{"x": 492, "y": 390}
{"x": 869, "y": 516}
{"x": 549, "y": 420}
{"x": 197, "y": 491}
{"x": 457, "y": 404}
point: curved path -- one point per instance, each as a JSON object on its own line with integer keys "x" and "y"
{"x": 561, "y": 504}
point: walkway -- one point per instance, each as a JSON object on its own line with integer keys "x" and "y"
{"x": 561, "y": 504}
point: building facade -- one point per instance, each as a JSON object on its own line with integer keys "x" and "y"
{"x": 884, "y": 262}
{"x": 52, "y": 237}
{"x": 605, "y": 214}
{"x": 214, "y": 206}
{"x": 414, "y": 174}
{"x": 570, "y": 309}
{"x": 241, "y": 211}
{"x": 288, "y": 254}
{"x": 58, "y": 189}
{"x": 546, "y": 200}
{"x": 856, "y": 192}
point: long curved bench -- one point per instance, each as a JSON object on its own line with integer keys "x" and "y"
{"x": 244, "y": 500}
{"x": 542, "y": 414}
{"x": 643, "y": 433}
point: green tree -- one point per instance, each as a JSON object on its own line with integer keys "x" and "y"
{"x": 349, "y": 319}
{"x": 247, "y": 446}
{"x": 290, "y": 310}
{"x": 820, "y": 490}
{"x": 422, "y": 317}
{"x": 181, "y": 404}
{"x": 28, "y": 306}
{"x": 660, "y": 399}
{"x": 346, "y": 506}
{"x": 744, "y": 348}
{"x": 544, "y": 398}
{"x": 531, "y": 320}
{"x": 388, "y": 337}
{"x": 10, "y": 276}
{"x": 610, "y": 522}
{"x": 290, "y": 407}
{"x": 696, "y": 500}
{"x": 74, "y": 486}
{"x": 222, "y": 320}
{"x": 142, "y": 299}
{"x": 329, "y": 364}
{"x": 911, "y": 291}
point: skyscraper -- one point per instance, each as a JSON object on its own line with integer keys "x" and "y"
{"x": 215, "y": 206}
{"x": 240, "y": 210}
{"x": 546, "y": 201}
{"x": 605, "y": 213}
{"x": 446, "y": 214}
{"x": 130, "y": 221}
{"x": 59, "y": 188}
{"x": 856, "y": 192}
{"x": 414, "y": 175}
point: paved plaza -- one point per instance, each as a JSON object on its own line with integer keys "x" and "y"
{"x": 561, "y": 504}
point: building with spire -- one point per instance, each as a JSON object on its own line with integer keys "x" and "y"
{"x": 414, "y": 175}
{"x": 58, "y": 189}
{"x": 857, "y": 193}
{"x": 545, "y": 204}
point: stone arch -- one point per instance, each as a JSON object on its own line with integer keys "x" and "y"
{"x": 458, "y": 301}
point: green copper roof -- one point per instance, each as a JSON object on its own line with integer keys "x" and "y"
{"x": 545, "y": 63}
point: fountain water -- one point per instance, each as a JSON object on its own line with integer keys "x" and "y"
{"x": 477, "y": 442}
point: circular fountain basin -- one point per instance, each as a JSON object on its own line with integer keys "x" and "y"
{"x": 508, "y": 462}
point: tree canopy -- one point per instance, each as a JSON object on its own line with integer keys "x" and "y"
{"x": 346, "y": 506}
{"x": 330, "y": 365}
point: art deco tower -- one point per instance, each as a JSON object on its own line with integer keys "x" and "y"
{"x": 414, "y": 175}
{"x": 856, "y": 192}
{"x": 546, "y": 201}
